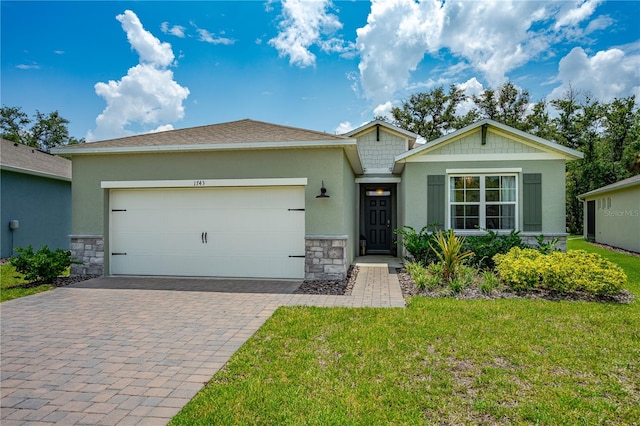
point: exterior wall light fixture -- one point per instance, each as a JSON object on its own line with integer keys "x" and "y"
{"x": 323, "y": 192}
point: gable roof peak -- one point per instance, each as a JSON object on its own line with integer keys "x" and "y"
{"x": 411, "y": 135}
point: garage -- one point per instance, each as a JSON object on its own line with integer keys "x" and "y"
{"x": 208, "y": 230}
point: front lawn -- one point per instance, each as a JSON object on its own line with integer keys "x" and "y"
{"x": 439, "y": 361}
{"x": 13, "y": 285}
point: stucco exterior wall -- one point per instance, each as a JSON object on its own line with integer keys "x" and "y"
{"x": 43, "y": 207}
{"x": 414, "y": 189}
{"x": 323, "y": 216}
{"x": 377, "y": 156}
{"x": 618, "y": 218}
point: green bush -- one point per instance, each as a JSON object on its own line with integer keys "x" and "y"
{"x": 451, "y": 253}
{"x": 418, "y": 244}
{"x": 489, "y": 282}
{"x": 576, "y": 270}
{"x": 423, "y": 277}
{"x": 488, "y": 245}
{"x": 44, "y": 265}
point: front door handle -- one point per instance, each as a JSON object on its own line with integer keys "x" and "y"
{"x": 388, "y": 223}
{"x": 202, "y": 238}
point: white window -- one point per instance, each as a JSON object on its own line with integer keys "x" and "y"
{"x": 483, "y": 201}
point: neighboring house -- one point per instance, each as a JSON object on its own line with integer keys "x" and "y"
{"x": 35, "y": 192}
{"x": 253, "y": 199}
{"x": 612, "y": 214}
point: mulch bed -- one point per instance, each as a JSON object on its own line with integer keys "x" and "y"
{"x": 329, "y": 287}
{"x": 58, "y": 282}
{"x": 409, "y": 289}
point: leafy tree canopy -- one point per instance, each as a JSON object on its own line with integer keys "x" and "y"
{"x": 43, "y": 132}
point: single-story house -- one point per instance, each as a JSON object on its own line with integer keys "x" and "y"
{"x": 612, "y": 214}
{"x": 35, "y": 198}
{"x": 253, "y": 199}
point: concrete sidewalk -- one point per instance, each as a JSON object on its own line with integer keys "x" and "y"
{"x": 82, "y": 355}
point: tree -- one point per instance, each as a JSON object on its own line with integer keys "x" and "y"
{"x": 507, "y": 105}
{"x": 47, "y": 130}
{"x": 537, "y": 122}
{"x": 430, "y": 114}
{"x": 12, "y": 123}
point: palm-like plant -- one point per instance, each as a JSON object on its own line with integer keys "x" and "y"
{"x": 450, "y": 252}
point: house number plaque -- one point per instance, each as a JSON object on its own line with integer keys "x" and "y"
{"x": 199, "y": 183}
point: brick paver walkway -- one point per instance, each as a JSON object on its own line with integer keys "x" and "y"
{"x": 95, "y": 354}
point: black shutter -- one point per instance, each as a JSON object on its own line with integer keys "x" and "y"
{"x": 532, "y": 202}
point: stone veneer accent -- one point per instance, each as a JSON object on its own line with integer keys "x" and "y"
{"x": 530, "y": 239}
{"x": 89, "y": 251}
{"x": 325, "y": 257}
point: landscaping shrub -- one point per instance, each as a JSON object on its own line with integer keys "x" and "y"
{"x": 418, "y": 244}
{"x": 576, "y": 270}
{"x": 44, "y": 265}
{"x": 546, "y": 247}
{"x": 488, "y": 245}
{"x": 423, "y": 277}
{"x": 489, "y": 282}
{"x": 450, "y": 252}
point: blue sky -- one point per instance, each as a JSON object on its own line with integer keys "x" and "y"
{"x": 116, "y": 68}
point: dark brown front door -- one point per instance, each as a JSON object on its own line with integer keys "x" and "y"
{"x": 378, "y": 224}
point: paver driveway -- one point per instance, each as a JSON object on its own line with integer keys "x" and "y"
{"x": 134, "y": 351}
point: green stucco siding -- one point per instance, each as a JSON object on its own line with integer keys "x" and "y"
{"x": 618, "y": 218}
{"x": 323, "y": 216}
{"x": 414, "y": 189}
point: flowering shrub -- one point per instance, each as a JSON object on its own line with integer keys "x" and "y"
{"x": 576, "y": 270}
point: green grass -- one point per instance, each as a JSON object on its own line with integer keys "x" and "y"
{"x": 439, "y": 361}
{"x": 11, "y": 281}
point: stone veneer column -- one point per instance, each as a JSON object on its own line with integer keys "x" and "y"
{"x": 88, "y": 250}
{"x": 326, "y": 257}
{"x": 529, "y": 238}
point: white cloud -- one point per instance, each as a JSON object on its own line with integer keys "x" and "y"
{"x": 574, "y": 12}
{"x": 305, "y": 24}
{"x": 163, "y": 128}
{"x": 147, "y": 96}
{"x": 208, "y": 37}
{"x": 492, "y": 37}
{"x": 392, "y": 43}
{"x": 150, "y": 49}
{"x": 606, "y": 75}
{"x": 176, "y": 30}
{"x": 28, "y": 66}
{"x": 383, "y": 110}
{"x": 343, "y": 128}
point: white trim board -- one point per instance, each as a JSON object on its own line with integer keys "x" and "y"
{"x": 379, "y": 179}
{"x": 485, "y": 157}
{"x": 484, "y": 171}
{"x": 204, "y": 183}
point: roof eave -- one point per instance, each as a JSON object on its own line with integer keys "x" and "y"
{"x": 73, "y": 150}
{"x": 568, "y": 153}
{"x": 608, "y": 188}
{"x": 365, "y": 127}
{"x": 35, "y": 173}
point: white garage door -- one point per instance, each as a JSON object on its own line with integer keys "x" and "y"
{"x": 208, "y": 232}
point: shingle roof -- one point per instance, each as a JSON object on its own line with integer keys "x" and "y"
{"x": 241, "y": 131}
{"x": 23, "y": 158}
{"x": 632, "y": 181}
